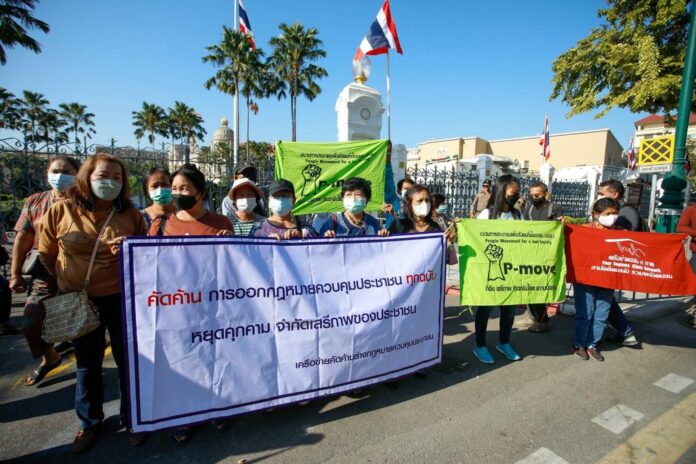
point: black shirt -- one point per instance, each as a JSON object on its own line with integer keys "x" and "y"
{"x": 405, "y": 226}
{"x": 549, "y": 212}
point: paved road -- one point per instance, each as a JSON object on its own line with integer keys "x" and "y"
{"x": 540, "y": 410}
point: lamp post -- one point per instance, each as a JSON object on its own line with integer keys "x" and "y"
{"x": 675, "y": 182}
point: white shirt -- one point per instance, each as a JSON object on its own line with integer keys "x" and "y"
{"x": 504, "y": 215}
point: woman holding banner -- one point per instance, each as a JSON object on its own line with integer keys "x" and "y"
{"x": 353, "y": 222}
{"x": 98, "y": 202}
{"x": 592, "y": 304}
{"x": 282, "y": 225}
{"x": 246, "y": 196}
{"x": 501, "y": 205}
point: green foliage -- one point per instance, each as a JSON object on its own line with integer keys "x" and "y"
{"x": 183, "y": 122}
{"x": 151, "y": 119}
{"x": 634, "y": 60}
{"x": 78, "y": 120}
{"x": 15, "y": 18}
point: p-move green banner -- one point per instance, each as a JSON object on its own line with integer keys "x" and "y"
{"x": 318, "y": 171}
{"x": 511, "y": 262}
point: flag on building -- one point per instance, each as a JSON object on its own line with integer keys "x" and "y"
{"x": 632, "y": 160}
{"x": 245, "y": 25}
{"x": 545, "y": 141}
{"x": 381, "y": 37}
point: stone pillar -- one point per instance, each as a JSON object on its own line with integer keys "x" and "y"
{"x": 484, "y": 164}
{"x": 359, "y": 109}
{"x": 546, "y": 173}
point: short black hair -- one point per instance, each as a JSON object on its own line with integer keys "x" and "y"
{"x": 602, "y": 204}
{"x": 249, "y": 171}
{"x": 438, "y": 199}
{"x": 152, "y": 171}
{"x": 400, "y": 184}
{"x": 615, "y": 186}
{"x": 357, "y": 183}
{"x": 71, "y": 161}
{"x": 197, "y": 178}
{"x": 536, "y": 184}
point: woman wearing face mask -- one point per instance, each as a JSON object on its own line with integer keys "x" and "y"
{"x": 158, "y": 186}
{"x": 440, "y": 210}
{"x": 501, "y": 205}
{"x": 353, "y": 222}
{"x": 418, "y": 213}
{"x": 592, "y": 304}
{"x": 281, "y": 225}
{"x": 61, "y": 177}
{"x": 70, "y": 229}
{"x": 245, "y": 197}
{"x": 191, "y": 218}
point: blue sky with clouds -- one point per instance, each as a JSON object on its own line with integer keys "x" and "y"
{"x": 468, "y": 68}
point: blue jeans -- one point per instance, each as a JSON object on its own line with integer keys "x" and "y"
{"x": 592, "y": 306}
{"x": 89, "y": 355}
{"x": 618, "y": 320}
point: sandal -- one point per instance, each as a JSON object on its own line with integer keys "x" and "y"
{"x": 181, "y": 435}
{"x": 38, "y": 374}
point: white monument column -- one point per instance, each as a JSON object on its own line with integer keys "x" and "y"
{"x": 359, "y": 107}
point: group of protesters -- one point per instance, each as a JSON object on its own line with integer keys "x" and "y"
{"x": 89, "y": 206}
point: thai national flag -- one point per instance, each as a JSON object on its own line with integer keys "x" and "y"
{"x": 245, "y": 25}
{"x": 632, "y": 161}
{"x": 545, "y": 141}
{"x": 381, "y": 36}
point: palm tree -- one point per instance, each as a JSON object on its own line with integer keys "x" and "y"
{"x": 51, "y": 123}
{"x": 78, "y": 121}
{"x": 185, "y": 123}
{"x": 151, "y": 119}
{"x": 258, "y": 83}
{"x": 33, "y": 105}
{"x": 294, "y": 51}
{"x": 10, "y": 112}
{"x": 15, "y": 19}
{"x": 234, "y": 59}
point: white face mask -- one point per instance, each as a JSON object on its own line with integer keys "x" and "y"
{"x": 422, "y": 209}
{"x": 246, "y": 205}
{"x": 608, "y": 220}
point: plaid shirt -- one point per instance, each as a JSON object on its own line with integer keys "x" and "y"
{"x": 35, "y": 207}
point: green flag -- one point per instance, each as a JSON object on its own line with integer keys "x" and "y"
{"x": 511, "y": 262}
{"x": 318, "y": 171}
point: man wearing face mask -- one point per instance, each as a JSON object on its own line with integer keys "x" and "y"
{"x": 353, "y": 222}
{"x": 398, "y": 210}
{"x": 245, "y": 197}
{"x": 540, "y": 209}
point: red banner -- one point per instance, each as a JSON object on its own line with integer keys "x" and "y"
{"x": 636, "y": 261}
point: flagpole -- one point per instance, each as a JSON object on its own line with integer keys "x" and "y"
{"x": 235, "y": 119}
{"x": 388, "y": 100}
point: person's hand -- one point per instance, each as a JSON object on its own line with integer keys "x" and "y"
{"x": 451, "y": 234}
{"x": 224, "y": 232}
{"x": 330, "y": 234}
{"x": 383, "y": 233}
{"x": 18, "y": 284}
{"x": 388, "y": 208}
{"x": 115, "y": 244}
{"x": 276, "y": 236}
{"x": 292, "y": 233}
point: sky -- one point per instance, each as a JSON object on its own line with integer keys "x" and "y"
{"x": 468, "y": 68}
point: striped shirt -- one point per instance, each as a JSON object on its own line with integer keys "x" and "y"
{"x": 243, "y": 228}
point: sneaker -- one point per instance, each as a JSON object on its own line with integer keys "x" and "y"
{"x": 508, "y": 351}
{"x": 483, "y": 355}
{"x": 83, "y": 440}
{"x": 581, "y": 353}
{"x": 630, "y": 340}
{"x": 594, "y": 352}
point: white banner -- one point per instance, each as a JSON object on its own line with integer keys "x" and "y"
{"x": 219, "y": 326}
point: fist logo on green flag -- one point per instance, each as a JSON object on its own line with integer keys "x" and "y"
{"x": 511, "y": 262}
{"x": 318, "y": 171}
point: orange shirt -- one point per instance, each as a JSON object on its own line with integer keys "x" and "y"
{"x": 67, "y": 239}
{"x": 208, "y": 224}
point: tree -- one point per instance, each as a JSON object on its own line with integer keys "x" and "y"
{"x": 78, "y": 120}
{"x": 15, "y": 18}
{"x": 32, "y": 107}
{"x": 236, "y": 62}
{"x": 50, "y": 125}
{"x": 185, "y": 123}
{"x": 294, "y": 51}
{"x": 633, "y": 60}
{"x": 150, "y": 119}
{"x": 10, "y": 110}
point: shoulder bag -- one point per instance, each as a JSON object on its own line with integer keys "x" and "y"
{"x": 72, "y": 315}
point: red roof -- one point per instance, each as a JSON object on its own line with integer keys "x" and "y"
{"x": 654, "y": 118}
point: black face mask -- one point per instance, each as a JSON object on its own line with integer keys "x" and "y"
{"x": 184, "y": 202}
{"x": 538, "y": 201}
{"x": 512, "y": 200}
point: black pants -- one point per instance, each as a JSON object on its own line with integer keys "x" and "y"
{"x": 507, "y": 317}
{"x": 89, "y": 354}
{"x": 538, "y": 312}
{"x": 5, "y": 300}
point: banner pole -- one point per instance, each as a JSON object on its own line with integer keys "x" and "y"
{"x": 653, "y": 196}
{"x": 388, "y": 100}
{"x": 235, "y": 118}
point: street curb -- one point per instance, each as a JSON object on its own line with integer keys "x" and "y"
{"x": 652, "y": 311}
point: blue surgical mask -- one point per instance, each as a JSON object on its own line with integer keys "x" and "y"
{"x": 161, "y": 195}
{"x": 354, "y": 205}
{"x": 403, "y": 194}
{"x": 59, "y": 181}
{"x": 106, "y": 189}
{"x": 281, "y": 205}
{"x": 442, "y": 209}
